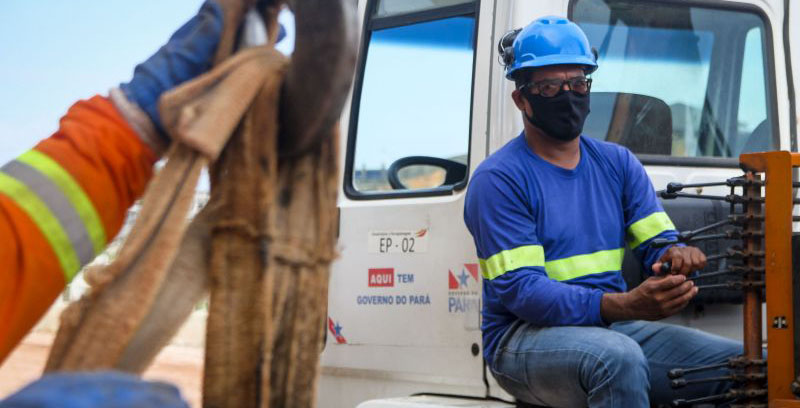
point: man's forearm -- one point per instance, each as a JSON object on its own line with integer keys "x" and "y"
{"x": 102, "y": 164}
{"x": 613, "y": 308}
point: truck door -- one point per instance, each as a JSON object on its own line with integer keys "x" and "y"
{"x": 404, "y": 294}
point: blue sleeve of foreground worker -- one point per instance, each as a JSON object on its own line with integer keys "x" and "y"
{"x": 187, "y": 54}
{"x": 95, "y": 390}
{"x": 645, "y": 218}
{"x": 512, "y": 258}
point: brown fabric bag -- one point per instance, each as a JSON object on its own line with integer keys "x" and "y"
{"x": 262, "y": 246}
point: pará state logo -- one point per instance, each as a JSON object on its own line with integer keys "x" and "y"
{"x": 463, "y": 289}
{"x": 336, "y": 331}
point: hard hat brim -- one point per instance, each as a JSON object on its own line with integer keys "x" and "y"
{"x": 549, "y": 60}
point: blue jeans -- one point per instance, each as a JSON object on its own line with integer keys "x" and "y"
{"x": 624, "y": 365}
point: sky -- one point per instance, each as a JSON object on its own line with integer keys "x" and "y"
{"x": 55, "y": 53}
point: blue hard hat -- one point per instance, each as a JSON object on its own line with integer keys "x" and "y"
{"x": 550, "y": 41}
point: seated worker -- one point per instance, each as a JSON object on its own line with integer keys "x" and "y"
{"x": 66, "y": 198}
{"x": 550, "y": 213}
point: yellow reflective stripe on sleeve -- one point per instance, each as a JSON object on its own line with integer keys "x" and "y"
{"x": 511, "y": 259}
{"x": 48, "y": 223}
{"x": 74, "y": 193}
{"x": 648, "y": 227}
{"x": 587, "y": 264}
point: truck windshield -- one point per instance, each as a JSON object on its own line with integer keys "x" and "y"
{"x": 678, "y": 80}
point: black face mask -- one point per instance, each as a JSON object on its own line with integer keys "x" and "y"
{"x": 561, "y": 116}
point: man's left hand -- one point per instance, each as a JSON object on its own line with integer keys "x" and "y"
{"x": 684, "y": 260}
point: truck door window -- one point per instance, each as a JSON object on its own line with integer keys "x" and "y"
{"x": 678, "y": 80}
{"x": 410, "y": 122}
{"x": 386, "y": 8}
{"x": 755, "y": 133}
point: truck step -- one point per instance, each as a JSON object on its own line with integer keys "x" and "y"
{"x": 425, "y": 401}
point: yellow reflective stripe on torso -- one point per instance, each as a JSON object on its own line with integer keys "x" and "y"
{"x": 648, "y": 227}
{"x": 49, "y": 225}
{"x": 511, "y": 259}
{"x": 586, "y": 264}
{"x": 74, "y": 193}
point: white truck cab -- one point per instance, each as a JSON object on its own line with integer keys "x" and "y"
{"x": 686, "y": 85}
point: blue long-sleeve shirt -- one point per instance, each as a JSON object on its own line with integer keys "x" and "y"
{"x": 551, "y": 240}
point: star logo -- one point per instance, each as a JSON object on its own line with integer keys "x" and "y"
{"x": 336, "y": 331}
{"x": 462, "y": 279}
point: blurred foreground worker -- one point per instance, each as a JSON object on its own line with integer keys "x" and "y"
{"x": 550, "y": 213}
{"x": 91, "y": 390}
{"x": 64, "y": 200}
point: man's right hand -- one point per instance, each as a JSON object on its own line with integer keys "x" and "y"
{"x": 187, "y": 54}
{"x": 656, "y": 298}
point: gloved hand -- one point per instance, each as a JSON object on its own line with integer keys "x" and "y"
{"x": 95, "y": 390}
{"x": 187, "y": 54}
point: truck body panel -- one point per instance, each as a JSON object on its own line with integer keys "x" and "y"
{"x": 405, "y": 297}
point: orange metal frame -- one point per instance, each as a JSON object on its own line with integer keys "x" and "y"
{"x": 779, "y": 202}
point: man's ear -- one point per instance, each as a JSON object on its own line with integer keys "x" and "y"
{"x": 519, "y": 100}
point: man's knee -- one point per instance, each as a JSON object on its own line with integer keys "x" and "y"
{"x": 622, "y": 355}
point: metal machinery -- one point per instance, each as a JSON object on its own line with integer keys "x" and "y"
{"x": 764, "y": 272}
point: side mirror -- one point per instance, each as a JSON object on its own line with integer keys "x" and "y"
{"x": 454, "y": 171}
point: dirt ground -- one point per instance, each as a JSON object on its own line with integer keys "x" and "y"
{"x": 181, "y": 366}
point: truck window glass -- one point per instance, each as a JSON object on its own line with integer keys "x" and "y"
{"x": 387, "y": 8}
{"x": 677, "y": 80}
{"x": 414, "y": 105}
{"x": 755, "y": 133}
